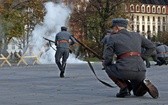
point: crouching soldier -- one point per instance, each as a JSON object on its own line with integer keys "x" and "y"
{"x": 62, "y": 41}
{"x": 129, "y": 71}
{"x": 162, "y": 53}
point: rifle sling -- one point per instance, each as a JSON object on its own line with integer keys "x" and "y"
{"x": 105, "y": 83}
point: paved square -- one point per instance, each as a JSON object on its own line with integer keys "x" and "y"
{"x": 41, "y": 85}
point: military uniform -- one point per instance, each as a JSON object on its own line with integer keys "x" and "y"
{"x": 153, "y": 56}
{"x": 105, "y": 40}
{"x": 106, "y": 37}
{"x": 129, "y": 72}
{"x": 62, "y": 42}
{"x": 162, "y": 53}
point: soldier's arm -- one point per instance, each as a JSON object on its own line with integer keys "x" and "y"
{"x": 108, "y": 53}
{"x": 148, "y": 45}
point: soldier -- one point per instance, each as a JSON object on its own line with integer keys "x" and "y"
{"x": 145, "y": 58}
{"x": 162, "y": 53}
{"x": 104, "y": 40}
{"x": 153, "y": 56}
{"x": 62, "y": 41}
{"x": 129, "y": 72}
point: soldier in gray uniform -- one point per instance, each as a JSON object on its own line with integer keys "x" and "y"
{"x": 129, "y": 71}
{"x": 162, "y": 53}
{"x": 63, "y": 40}
{"x": 105, "y": 39}
{"x": 153, "y": 56}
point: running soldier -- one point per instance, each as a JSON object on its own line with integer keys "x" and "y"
{"x": 63, "y": 40}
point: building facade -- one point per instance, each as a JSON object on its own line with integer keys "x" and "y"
{"x": 148, "y": 18}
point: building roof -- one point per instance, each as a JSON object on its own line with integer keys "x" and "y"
{"x": 156, "y": 2}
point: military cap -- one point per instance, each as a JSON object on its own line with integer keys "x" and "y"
{"x": 119, "y": 22}
{"x": 63, "y": 28}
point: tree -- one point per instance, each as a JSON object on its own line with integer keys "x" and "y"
{"x": 163, "y": 37}
{"x": 19, "y": 17}
{"x": 95, "y": 16}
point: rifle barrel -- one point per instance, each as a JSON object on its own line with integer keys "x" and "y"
{"x": 49, "y": 40}
{"x": 89, "y": 49}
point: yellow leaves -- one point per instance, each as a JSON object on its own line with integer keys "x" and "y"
{"x": 1, "y": 8}
{"x": 9, "y": 1}
{"x": 15, "y": 15}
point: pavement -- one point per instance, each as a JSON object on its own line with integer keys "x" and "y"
{"x": 41, "y": 85}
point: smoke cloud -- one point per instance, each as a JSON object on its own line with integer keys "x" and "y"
{"x": 56, "y": 16}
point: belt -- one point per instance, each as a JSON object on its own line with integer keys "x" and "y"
{"x": 128, "y": 54}
{"x": 163, "y": 52}
{"x": 62, "y": 41}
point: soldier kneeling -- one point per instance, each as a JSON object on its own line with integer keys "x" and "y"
{"x": 129, "y": 71}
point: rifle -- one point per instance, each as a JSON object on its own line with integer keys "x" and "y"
{"x": 54, "y": 42}
{"x": 89, "y": 49}
{"x": 49, "y": 40}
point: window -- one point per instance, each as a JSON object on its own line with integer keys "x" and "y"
{"x": 137, "y": 18}
{"x": 143, "y": 18}
{"x": 164, "y": 20}
{"x": 158, "y": 19}
{"x": 148, "y": 18}
{"x": 153, "y": 28}
{"x": 158, "y": 28}
{"x": 132, "y": 27}
{"x": 132, "y": 8}
{"x": 132, "y": 17}
{"x": 164, "y": 28}
{"x": 137, "y": 8}
{"x": 153, "y": 19}
{"x": 148, "y": 9}
{"x": 164, "y": 10}
{"x": 153, "y": 9}
{"x": 137, "y": 28}
{"x": 143, "y": 28}
{"x": 148, "y": 27}
{"x": 143, "y": 8}
{"x": 158, "y": 9}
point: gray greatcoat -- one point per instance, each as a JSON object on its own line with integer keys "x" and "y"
{"x": 162, "y": 51}
{"x": 63, "y": 48}
{"x": 129, "y": 68}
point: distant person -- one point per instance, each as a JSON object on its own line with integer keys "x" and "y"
{"x": 145, "y": 58}
{"x": 153, "y": 56}
{"x": 162, "y": 53}
{"x": 129, "y": 71}
{"x": 63, "y": 40}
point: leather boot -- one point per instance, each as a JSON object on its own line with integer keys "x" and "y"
{"x": 123, "y": 87}
{"x": 141, "y": 90}
{"x": 123, "y": 93}
{"x": 152, "y": 90}
{"x": 129, "y": 85}
{"x": 61, "y": 69}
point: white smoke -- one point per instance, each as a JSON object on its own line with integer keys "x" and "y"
{"x": 56, "y": 16}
